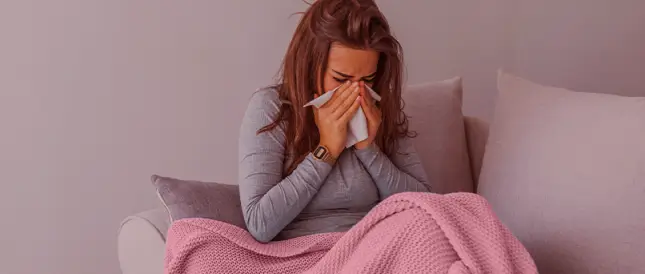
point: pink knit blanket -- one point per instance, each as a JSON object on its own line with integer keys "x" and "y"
{"x": 406, "y": 233}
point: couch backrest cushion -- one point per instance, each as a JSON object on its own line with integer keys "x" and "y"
{"x": 565, "y": 171}
{"x": 476, "y": 135}
{"x": 434, "y": 111}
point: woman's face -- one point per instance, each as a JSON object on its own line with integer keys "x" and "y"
{"x": 346, "y": 63}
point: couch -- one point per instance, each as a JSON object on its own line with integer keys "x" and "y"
{"x": 141, "y": 237}
{"x": 563, "y": 170}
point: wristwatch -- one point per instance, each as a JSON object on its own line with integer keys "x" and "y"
{"x": 321, "y": 153}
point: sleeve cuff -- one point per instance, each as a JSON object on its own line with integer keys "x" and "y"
{"x": 372, "y": 150}
{"x": 321, "y": 166}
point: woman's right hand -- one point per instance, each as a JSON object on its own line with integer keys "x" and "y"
{"x": 333, "y": 117}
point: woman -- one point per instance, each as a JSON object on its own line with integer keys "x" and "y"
{"x": 296, "y": 175}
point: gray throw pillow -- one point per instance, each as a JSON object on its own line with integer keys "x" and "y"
{"x": 195, "y": 199}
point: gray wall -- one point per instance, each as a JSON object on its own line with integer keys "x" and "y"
{"x": 97, "y": 95}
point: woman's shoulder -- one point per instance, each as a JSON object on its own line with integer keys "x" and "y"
{"x": 266, "y": 94}
{"x": 265, "y": 100}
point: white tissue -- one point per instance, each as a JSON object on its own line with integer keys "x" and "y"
{"x": 357, "y": 130}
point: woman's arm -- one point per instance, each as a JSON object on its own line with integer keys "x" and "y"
{"x": 269, "y": 201}
{"x": 402, "y": 173}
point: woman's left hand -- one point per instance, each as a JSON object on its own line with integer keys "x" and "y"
{"x": 373, "y": 115}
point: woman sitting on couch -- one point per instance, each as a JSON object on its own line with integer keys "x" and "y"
{"x": 298, "y": 176}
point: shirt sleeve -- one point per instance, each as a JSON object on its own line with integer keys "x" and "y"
{"x": 403, "y": 172}
{"x": 269, "y": 200}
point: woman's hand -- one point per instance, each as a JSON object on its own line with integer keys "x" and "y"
{"x": 333, "y": 117}
{"x": 373, "y": 115}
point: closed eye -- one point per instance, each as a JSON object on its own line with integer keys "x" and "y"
{"x": 340, "y": 80}
{"x": 346, "y": 77}
{"x": 343, "y": 80}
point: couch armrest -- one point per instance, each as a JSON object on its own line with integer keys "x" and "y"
{"x": 142, "y": 242}
{"x": 477, "y": 136}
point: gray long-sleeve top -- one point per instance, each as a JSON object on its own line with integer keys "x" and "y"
{"x": 316, "y": 197}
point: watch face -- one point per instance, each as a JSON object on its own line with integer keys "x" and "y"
{"x": 320, "y": 152}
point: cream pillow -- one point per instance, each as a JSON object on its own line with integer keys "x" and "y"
{"x": 565, "y": 171}
{"x": 434, "y": 111}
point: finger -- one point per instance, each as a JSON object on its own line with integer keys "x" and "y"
{"x": 349, "y": 113}
{"x": 346, "y": 102}
{"x": 344, "y": 87}
{"x": 375, "y": 115}
{"x": 366, "y": 109}
{"x": 364, "y": 104}
{"x": 369, "y": 100}
{"x": 366, "y": 95}
{"x": 339, "y": 91}
{"x": 345, "y": 99}
{"x": 316, "y": 115}
{"x": 343, "y": 95}
{"x": 371, "y": 110}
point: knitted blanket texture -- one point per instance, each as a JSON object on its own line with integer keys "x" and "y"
{"x": 406, "y": 233}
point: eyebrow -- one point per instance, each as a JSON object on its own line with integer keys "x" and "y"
{"x": 351, "y": 76}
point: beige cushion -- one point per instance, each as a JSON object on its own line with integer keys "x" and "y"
{"x": 434, "y": 111}
{"x": 565, "y": 171}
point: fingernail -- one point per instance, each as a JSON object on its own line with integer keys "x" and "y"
{"x": 358, "y": 98}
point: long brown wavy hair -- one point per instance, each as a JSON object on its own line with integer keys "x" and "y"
{"x": 353, "y": 23}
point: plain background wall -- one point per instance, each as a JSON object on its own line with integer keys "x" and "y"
{"x": 95, "y": 96}
{"x": 592, "y": 45}
{"x": 443, "y": 39}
